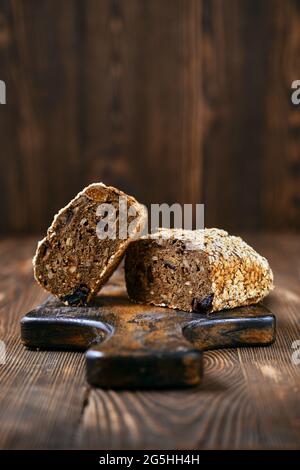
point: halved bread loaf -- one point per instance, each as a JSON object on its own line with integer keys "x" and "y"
{"x": 72, "y": 262}
{"x": 201, "y": 271}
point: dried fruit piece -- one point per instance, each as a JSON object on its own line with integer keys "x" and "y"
{"x": 203, "y": 305}
{"x": 168, "y": 264}
{"x": 78, "y": 297}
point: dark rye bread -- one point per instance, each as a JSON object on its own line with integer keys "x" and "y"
{"x": 201, "y": 271}
{"x": 72, "y": 262}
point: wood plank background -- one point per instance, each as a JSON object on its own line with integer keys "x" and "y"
{"x": 172, "y": 100}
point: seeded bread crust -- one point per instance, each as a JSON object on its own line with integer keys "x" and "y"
{"x": 201, "y": 270}
{"x": 72, "y": 262}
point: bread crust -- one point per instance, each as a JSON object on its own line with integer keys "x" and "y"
{"x": 236, "y": 274}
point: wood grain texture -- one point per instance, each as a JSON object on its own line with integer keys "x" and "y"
{"x": 34, "y": 388}
{"x": 41, "y": 116}
{"x": 132, "y": 346}
{"x": 248, "y": 399}
{"x": 174, "y": 101}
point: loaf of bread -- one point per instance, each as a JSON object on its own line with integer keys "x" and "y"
{"x": 72, "y": 261}
{"x": 201, "y": 271}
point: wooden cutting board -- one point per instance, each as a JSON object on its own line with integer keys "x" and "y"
{"x": 141, "y": 346}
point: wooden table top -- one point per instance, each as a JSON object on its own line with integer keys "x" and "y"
{"x": 250, "y": 398}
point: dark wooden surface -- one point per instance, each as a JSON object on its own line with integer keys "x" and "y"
{"x": 249, "y": 397}
{"x": 191, "y": 95}
{"x": 132, "y": 346}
